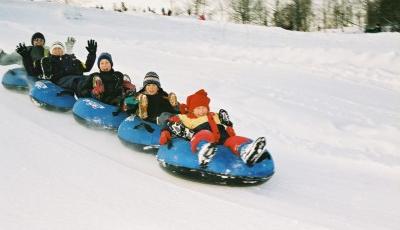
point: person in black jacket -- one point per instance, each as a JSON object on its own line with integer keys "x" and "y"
{"x": 110, "y": 86}
{"x": 26, "y": 55}
{"x": 65, "y": 70}
{"x": 36, "y": 51}
{"x": 155, "y": 105}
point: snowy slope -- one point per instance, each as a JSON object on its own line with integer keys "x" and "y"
{"x": 327, "y": 103}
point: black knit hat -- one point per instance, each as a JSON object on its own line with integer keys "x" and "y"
{"x": 37, "y": 35}
{"x": 151, "y": 78}
{"x": 106, "y": 56}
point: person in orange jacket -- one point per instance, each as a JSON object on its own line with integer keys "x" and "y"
{"x": 206, "y": 130}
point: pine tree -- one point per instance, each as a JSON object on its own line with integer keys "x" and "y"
{"x": 260, "y": 13}
{"x": 241, "y": 10}
{"x": 390, "y": 13}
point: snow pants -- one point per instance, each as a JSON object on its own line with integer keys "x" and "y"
{"x": 233, "y": 142}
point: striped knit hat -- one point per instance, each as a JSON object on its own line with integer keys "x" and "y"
{"x": 151, "y": 78}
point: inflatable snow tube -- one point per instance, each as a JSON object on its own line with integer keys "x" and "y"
{"x": 139, "y": 134}
{"x": 18, "y": 79}
{"x": 50, "y": 96}
{"x": 225, "y": 168}
{"x": 94, "y": 113}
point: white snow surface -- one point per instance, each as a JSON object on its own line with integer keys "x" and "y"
{"x": 328, "y": 104}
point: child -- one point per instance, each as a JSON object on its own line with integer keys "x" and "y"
{"x": 26, "y": 53}
{"x": 65, "y": 70}
{"x": 206, "y": 130}
{"x": 31, "y": 54}
{"x": 110, "y": 86}
{"x": 155, "y": 105}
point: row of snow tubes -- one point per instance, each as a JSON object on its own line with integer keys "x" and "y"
{"x": 176, "y": 157}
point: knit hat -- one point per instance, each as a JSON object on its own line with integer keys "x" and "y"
{"x": 37, "y": 35}
{"x": 57, "y": 45}
{"x": 151, "y": 78}
{"x": 198, "y": 99}
{"x": 106, "y": 56}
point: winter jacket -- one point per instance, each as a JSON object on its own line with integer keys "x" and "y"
{"x": 209, "y": 122}
{"x": 158, "y": 104}
{"x": 113, "y": 89}
{"x": 56, "y": 67}
{"x": 36, "y": 53}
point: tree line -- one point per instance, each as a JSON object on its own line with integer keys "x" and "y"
{"x": 302, "y": 15}
{"x": 298, "y": 15}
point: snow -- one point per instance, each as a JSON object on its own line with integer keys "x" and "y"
{"x": 328, "y": 105}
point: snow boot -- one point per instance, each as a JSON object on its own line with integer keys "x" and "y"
{"x": 224, "y": 117}
{"x": 252, "y": 153}
{"x": 206, "y": 152}
{"x": 180, "y": 130}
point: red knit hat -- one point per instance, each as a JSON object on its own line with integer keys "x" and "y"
{"x": 198, "y": 99}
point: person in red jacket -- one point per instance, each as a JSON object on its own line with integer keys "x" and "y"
{"x": 206, "y": 130}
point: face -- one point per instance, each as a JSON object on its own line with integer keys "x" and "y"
{"x": 38, "y": 42}
{"x": 57, "y": 51}
{"x": 200, "y": 111}
{"x": 151, "y": 89}
{"x": 105, "y": 65}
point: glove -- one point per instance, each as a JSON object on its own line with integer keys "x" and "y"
{"x": 165, "y": 137}
{"x": 172, "y": 99}
{"x": 130, "y": 103}
{"x": 92, "y": 46}
{"x": 224, "y": 118}
{"x": 98, "y": 87}
{"x": 69, "y": 44}
{"x": 22, "y": 50}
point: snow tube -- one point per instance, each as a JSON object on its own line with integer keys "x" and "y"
{"x": 225, "y": 168}
{"x": 140, "y": 134}
{"x": 97, "y": 114}
{"x": 50, "y": 96}
{"x": 18, "y": 79}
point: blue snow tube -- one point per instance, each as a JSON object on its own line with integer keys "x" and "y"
{"x": 225, "y": 168}
{"x": 50, "y": 96}
{"x": 98, "y": 114}
{"x": 18, "y": 79}
{"x": 139, "y": 134}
